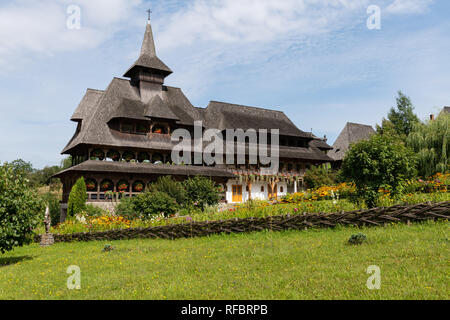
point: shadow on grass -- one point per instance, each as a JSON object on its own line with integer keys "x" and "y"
{"x": 6, "y": 261}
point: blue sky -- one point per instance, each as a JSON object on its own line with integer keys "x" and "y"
{"x": 316, "y": 60}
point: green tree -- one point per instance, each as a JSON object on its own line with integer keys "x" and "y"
{"x": 21, "y": 210}
{"x": 318, "y": 176}
{"x": 77, "y": 198}
{"x": 66, "y": 163}
{"x": 22, "y": 167}
{"x": 44, "y": 176}
{"x": 431, "y": 143}
{"x": 402, "y": 116}
{"x": 381, "y": 162}
{"x": 173, "y": 188}
{"x": 201, "y": 192}
{"x": 388, "y": 129}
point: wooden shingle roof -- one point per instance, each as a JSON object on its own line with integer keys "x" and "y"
{"x": 147, "y": 58}
{"x": 352, "y": 133}
{"x": 222, "y": 116}
{"x": 122, "y": 99}
{"x": 159, "y": 109}
{"x": 146, "y": 168}
{"x": 89, "y": 100}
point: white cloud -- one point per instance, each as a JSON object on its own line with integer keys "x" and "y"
{"x": 232, "y": 21}
{"x": 408, "y": 6}
{"x": 209, "y": 35}
{"x": 39, "y": 27}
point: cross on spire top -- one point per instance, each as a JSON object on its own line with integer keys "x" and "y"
{"x": 149, "y": 11}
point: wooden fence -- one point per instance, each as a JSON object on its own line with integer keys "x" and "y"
{"x": 371, "y": 217}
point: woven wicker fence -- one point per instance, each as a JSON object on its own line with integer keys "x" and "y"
{"x": 372, "y": 217}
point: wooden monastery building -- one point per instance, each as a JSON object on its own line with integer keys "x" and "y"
{"x": 123, "y": 138}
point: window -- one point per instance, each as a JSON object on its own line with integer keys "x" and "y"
{"x": 127, "y": 127}
{"x": 262, "y": 188}
{"x": 91, "y": 185}
{"x": 97, "y": 154}
{"x": 128, "y": 156}
{"x": 123, "y": 186}
{"x": 106, "y": 185}
{"x": 281, "y": 189}
{"x": 113, "y": 155}
{"x": 237, "y": 193}
{"x": 158, "y": 129}
{"x": 141, "y": 129}
{"x": 157, "y": 158}
{"x": 138, "y": 186}
{"x": 143, "y": 157}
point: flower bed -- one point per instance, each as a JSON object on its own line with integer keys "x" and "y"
{"x": 372, "y": 217}
{"x": 253, "y": 209}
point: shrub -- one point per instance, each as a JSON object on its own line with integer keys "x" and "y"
{"x": 378, "y": 163}
{"x": 21, "y": 210}
{"x": 316, "y": 177}
{"x": 125, "y": 208}
{"x": 52, "y": 202}
{"x": 93, "y": 211}
{"x": 201, "y": 192}
{"x": 151, "y": 204}
{"x": 359, "y": 238}
{"x": 170, "y": 186}
{"x": 77, "y": 198}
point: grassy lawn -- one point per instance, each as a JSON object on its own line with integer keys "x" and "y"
{"x": 313, "y": 264}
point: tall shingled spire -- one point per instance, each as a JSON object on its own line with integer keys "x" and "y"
{"x": 148, "y": 46}
{"x": 148, "y": 62}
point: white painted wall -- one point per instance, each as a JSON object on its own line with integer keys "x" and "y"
{"x": 256, "y": 190}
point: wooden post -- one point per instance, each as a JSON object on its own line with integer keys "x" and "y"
{"x": 272, "y": 185}
{"x": 249, "y": 190}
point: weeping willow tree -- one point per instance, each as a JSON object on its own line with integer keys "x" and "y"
{"x": 431, "y": 143}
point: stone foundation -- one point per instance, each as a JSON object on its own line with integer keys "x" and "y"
{"x": 47, "y": 240}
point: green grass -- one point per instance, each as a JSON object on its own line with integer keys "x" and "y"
{"x": 313, "y": 264}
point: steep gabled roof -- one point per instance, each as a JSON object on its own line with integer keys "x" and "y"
{"x": 84, "y": 108}
{"x": 222, "y": 116}
{"x": 147, "y": 58}
{"x": 128, "y": 109}
{"x": 159, "y": 109}
{"x": 121, "y": 100}
{"x": 352, "y": 133}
